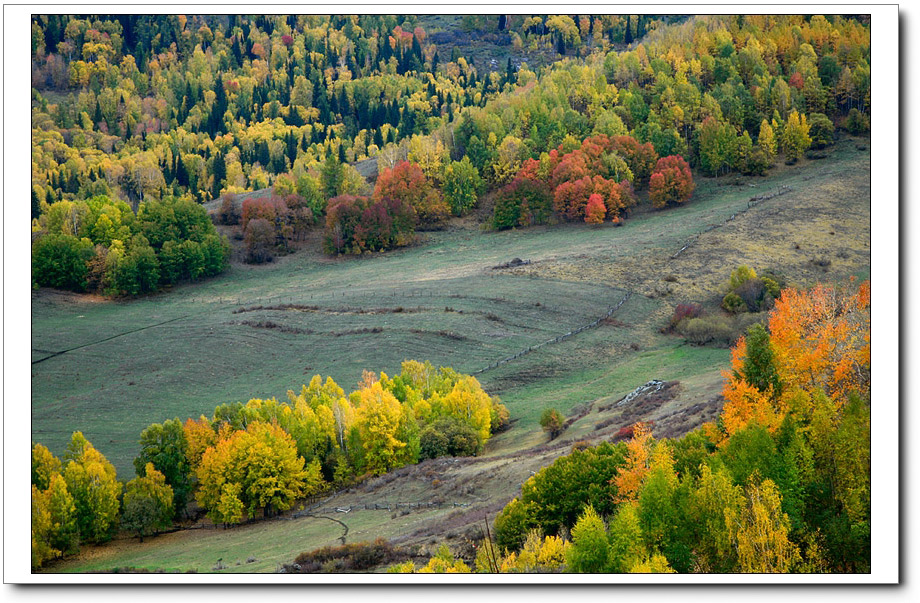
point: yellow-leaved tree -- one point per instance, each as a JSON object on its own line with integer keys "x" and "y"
{"x": 759, "y": 531}
{"x": 91, "y": 480}
{"x": 376, "y": 424}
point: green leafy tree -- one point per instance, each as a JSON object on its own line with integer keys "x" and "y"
{"x": 625, "y": 539}
{"x": 759, "y": 368}
{"x": 333, "y": 176}
{"x": 821, "y": 130}
{"x": 59, "y": 261}
{"x": 165, "y": 447}
{"x": 512, "y": 524}
{"x": 589, "y": 552}
{"x": 551, "y": 422}
{"x": 714, "y": 498}
{"x": 148, "y": 503}
{"x": 462, "y": 186}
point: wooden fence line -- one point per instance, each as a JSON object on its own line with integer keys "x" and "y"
{"x": 752, "y": 202}
{"x": 555, "y": 339}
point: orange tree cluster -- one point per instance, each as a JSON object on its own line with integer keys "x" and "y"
{"x": 404, "y": 199}
{"x": 262, "y": 455}
{"x": 780, "y": 483}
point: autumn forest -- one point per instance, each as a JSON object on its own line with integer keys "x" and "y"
{"x": 450, "y": 293}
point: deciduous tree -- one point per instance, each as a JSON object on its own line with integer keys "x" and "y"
{"x": 148, "y": 503}
{"x": 671, "y": 183}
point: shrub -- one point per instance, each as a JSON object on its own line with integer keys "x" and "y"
{"x": 754, "y": 294}
{"x": 757, "y": 162}
{"x": 733, "y": 303}
{"x": 448, "y": 436}
{"x": 272, "y": 209}
{"x": 821, "y": 131}
{"x": 718, "y": 330}
{"x": 740, "y": 275}
{"x": 500, "y": 417}
{"x": 259, "y": 240}
{"x": 356, "y": 556}
{"x": 708, "y": 329}
{"x": 684, "y": 312}
{"x": 773, "y": 287}
{"x": 228, "y": 213}
{"x": 857, "y": 123}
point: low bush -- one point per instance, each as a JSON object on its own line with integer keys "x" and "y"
{"x": 684, "y": 312}
{"x": 718, "y": 329}
{"x": 448, "y": 436}
{"x": 357, "y": 556}
{"x": 228, "y": 213}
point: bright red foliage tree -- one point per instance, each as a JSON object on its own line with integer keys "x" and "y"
{"x": 595, "y": 210}
{"x": 671, "y": 182}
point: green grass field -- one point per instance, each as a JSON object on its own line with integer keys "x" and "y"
{"x": 182, "y": 352}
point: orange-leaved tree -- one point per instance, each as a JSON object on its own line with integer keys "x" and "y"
{"x": 629, "y": 479}
{"x": 818, "y": 342}
{"x": 821, "y": 339}
{"x": 406, "y": 182}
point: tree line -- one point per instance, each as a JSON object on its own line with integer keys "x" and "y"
{"x": 260, "y": 456}
{"x": 206, "y": 108}
{"x": 100, "y": 245}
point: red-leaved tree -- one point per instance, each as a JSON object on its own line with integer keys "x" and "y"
{"x": 671, "y": 183}
{"x": 639, "y": 157}
{"x": 406, "y": 182}
{"x": 358, "y": 224}
{"x": 571, "y": 198}
{"x": 595, "y": 211}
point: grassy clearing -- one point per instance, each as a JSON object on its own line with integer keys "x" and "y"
{"x": 270, "y": 543}
{"x": 180, "y": 353}
{"x": 193, "y": 354}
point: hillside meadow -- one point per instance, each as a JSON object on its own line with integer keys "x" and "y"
{"x": 111, "y": 368}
